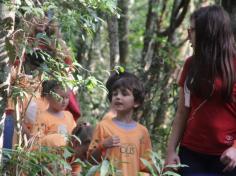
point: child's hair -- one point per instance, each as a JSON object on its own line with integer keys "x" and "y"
{"x": 49, "y": 86}
{"x": 84, "y": 131}
{"x": 214, "y": 52}
{"x": 126, "y": 80}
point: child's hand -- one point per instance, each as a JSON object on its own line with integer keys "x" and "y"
{"x": 113, "y": 141}
{"x": 228, "y": 158}
{"x": 172, "y": 158}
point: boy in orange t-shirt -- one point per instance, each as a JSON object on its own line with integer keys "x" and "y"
{"x": 122, "y": 140}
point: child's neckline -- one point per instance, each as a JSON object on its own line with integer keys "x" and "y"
{"x": 124, "y": 125}
{"x": 59, "y": 114}
{"x": 124, "y": 121}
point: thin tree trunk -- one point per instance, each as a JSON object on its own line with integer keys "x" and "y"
{"x": 158, "y": 67}
{"x": 149, "y": 33}
{"x": 7, "y": 18}
{"x": 113, "y": 40}
{"x": 123, "y": 22}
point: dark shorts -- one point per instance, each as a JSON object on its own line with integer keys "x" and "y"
{"x": 201, "y": 164}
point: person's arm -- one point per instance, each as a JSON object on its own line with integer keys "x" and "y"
{"x": 228, "y": 157}
{"x": 178, "y": 129}
{"x": 99, "y": 149}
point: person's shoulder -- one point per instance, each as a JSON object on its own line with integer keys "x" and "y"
{"x": 68, "y": 114}
{"x": 142, "y": 128}
{"x": 188, "y": 60}
{"x": 109, "y": 115}
{"x": 43, "y": 113}
{"x": 105, "y": 123}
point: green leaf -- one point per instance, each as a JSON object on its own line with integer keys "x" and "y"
{"x": 46, "y": 170}
{"x": 170, "y": 173}
{"x": 29, "y": 3}
{"x": 66, "y": 153}
{"x": 92, "y": 170}
{"x": 148, "y": 165}
{"x": 104, "y": 167}
{"x": 176, "y": 165}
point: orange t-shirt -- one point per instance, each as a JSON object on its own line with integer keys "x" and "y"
{"x": 36, "y": 106}
{"x": 50, "y": 130}
{"x": 135, "y": 144}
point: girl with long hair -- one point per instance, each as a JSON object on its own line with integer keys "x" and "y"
{"x": 205, "y": 123}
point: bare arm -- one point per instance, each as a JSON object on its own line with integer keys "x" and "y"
{"x": 178, "y": 129}
{"x": 100, "y": 151}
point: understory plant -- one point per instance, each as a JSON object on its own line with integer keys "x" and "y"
{"x": 158, "y": 167}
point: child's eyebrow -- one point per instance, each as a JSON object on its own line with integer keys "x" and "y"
{"x": 126, "y": 89}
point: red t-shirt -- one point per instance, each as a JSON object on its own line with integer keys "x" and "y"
{"x": 212, "y": 128}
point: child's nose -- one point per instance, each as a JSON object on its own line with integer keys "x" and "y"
{"x": 119, "y": 95}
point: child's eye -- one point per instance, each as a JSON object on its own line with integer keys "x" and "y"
{"x": 125, "y": 92}
{"x": 114, "y": 93}
{"x": 56, "y": 96}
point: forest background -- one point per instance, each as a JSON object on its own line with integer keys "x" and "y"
{"x": 146, "y": 37}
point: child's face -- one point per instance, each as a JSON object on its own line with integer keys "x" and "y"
{"x": 123, "y": 100}
{"x": 59, "y": 99}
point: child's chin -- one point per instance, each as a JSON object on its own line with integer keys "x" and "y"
{"x": 63, "y": 108}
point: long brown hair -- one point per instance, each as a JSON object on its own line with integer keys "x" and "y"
{"x": 214, "y": 52}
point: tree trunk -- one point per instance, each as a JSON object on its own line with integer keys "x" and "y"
{"x": 158, "y": 60}
{"x": 149, "y": 33}
{"x": 123, "y": 22}
{"x": 7, "y": 18}
{"x": 113, "y": 40}
{"x": 230, "y": 7}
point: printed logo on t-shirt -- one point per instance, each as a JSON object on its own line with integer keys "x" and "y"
{"x": 62, "y": 129}
{"x": 229, "y": 139}
{"x": 128, "y": 149}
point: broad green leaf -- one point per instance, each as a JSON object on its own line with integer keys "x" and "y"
{"x": 66, "y": 153}
{"x": 92, "y": 170}
{"x": 29, "y": 3}
{"x": 104, "y": 167}
{"x": 148, "y": 165}
{"x": 170, "y": 173}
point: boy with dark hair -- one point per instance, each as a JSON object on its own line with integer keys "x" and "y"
{"x": 115, "y": 76}
{"x": 122, "y": 140}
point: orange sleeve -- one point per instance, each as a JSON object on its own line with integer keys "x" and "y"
{"x": 145, "y": 149}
